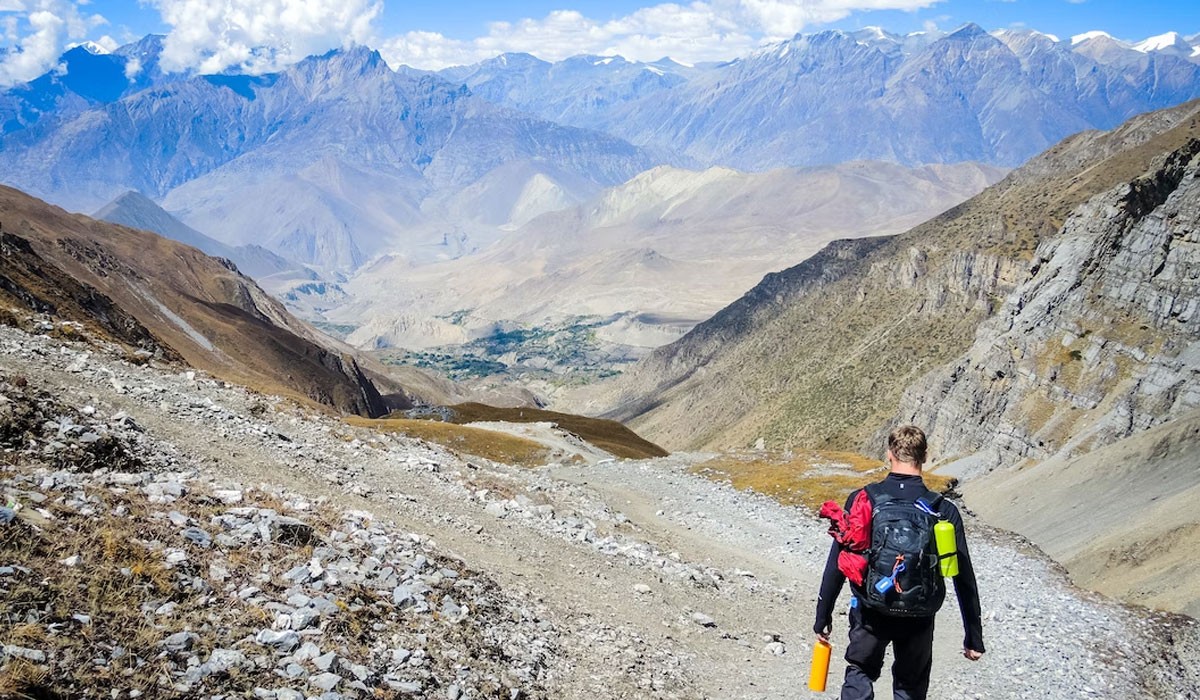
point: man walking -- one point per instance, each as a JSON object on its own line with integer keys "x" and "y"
{"x": 898, "y": 608}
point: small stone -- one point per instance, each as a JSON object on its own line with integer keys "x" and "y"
{"x": 307, "y": 651}
{"x": 450, "y": 609}
{"x": 303, "y": 619}
{"x": 198, "y": 536}
{"x": 288, "y": 694}
{"x": 299, "y": 574}
{"x": 325, "y": 681}
{"x": 217, "y": 572}
{"x": 703, "y": 620}
{"x": 402, "y": 596}
{"x": 775, "y": 649}
{"x": 7, "y": 515}
{"x": 283, "y": 641}
{"x": 228, "y": 496}
{"x": 72, "y": 560}
{"x": 35, "y": 655}
{"x": 180, "y": 641}
{"x": 641, "y": 588}
{"x": 325, "y": 661}
{"x": 222, "y": 660}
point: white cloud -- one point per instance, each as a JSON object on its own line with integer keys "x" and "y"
{"x": 699, "y": 31}
{"x": 259, "y": 35}
{"x": 108, "y": 43}
{"x": 37, "y": 32}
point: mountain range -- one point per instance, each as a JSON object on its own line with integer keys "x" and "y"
{"x": 352, "y": 158}
{"x": 339, "y": 159}
{"x": 994, "y": 97}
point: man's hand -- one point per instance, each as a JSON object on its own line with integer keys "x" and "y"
{"x": 972, "y": 654}
{"x": 823, "y": 635}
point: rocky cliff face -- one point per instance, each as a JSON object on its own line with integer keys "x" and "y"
{"x": 1100, "y": 341}
{"x": 823, "y": 353}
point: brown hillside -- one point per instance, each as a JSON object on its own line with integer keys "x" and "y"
{"x": 145, "y": 291}
{"x": 818, "y": 355}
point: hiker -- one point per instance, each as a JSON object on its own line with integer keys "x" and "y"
{"x": 894, "y": 601}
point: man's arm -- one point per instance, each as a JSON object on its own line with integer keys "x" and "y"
{"x": 967, "y": 591}
{"x": 831, "y": 586}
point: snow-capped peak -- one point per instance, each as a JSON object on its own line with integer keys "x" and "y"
{"x": 1080, "y": 38}
{"x": 1163, "y": 42}
{"x": 91, "y": 47}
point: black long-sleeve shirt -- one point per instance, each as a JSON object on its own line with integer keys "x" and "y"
{"x": 911, "y": 487}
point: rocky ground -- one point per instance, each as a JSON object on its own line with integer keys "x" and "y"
{"x": 168, "y": 535}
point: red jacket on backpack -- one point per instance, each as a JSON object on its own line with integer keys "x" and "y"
{"x": 853, "y": 531}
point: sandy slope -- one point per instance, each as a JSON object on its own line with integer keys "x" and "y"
{"x": 1139, "y": 543}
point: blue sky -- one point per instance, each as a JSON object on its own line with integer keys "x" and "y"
{"x": 211, "y": 35}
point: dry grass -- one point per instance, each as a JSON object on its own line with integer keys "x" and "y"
{"x": 608, "y": 435}
{"x": 807, "y": 479}
{"x": 116, "y": 576}
{"x": 489, "y": 444}
{"x": 121, "y": 574}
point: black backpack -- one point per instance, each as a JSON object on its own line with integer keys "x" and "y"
{"x": 903, "y": 555}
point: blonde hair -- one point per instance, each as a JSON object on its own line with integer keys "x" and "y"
{"x": 907, "y": 444}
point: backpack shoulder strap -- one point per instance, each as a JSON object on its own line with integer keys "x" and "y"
{"x": 875, "y": 493}
{"x": 933, "y": 500}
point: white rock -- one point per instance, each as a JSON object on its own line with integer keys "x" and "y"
{"x": 228, "y": 496}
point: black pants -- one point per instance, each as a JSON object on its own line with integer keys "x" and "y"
{"x": 912, "y": 645}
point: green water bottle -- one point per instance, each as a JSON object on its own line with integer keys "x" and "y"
{"x": 947, "y": 548}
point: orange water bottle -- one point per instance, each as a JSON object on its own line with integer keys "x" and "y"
{"x": 818, "y": 673}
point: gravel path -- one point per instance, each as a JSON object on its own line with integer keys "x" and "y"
{"x": 656, "y": 583}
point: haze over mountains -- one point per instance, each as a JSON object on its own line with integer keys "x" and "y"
{"x": 368, "y": 197}
{"x": 834, "y": 96}
{"x": 353, "y": 158}
{"x": 650, "y": 258}
{"x": 356, "y": 160}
